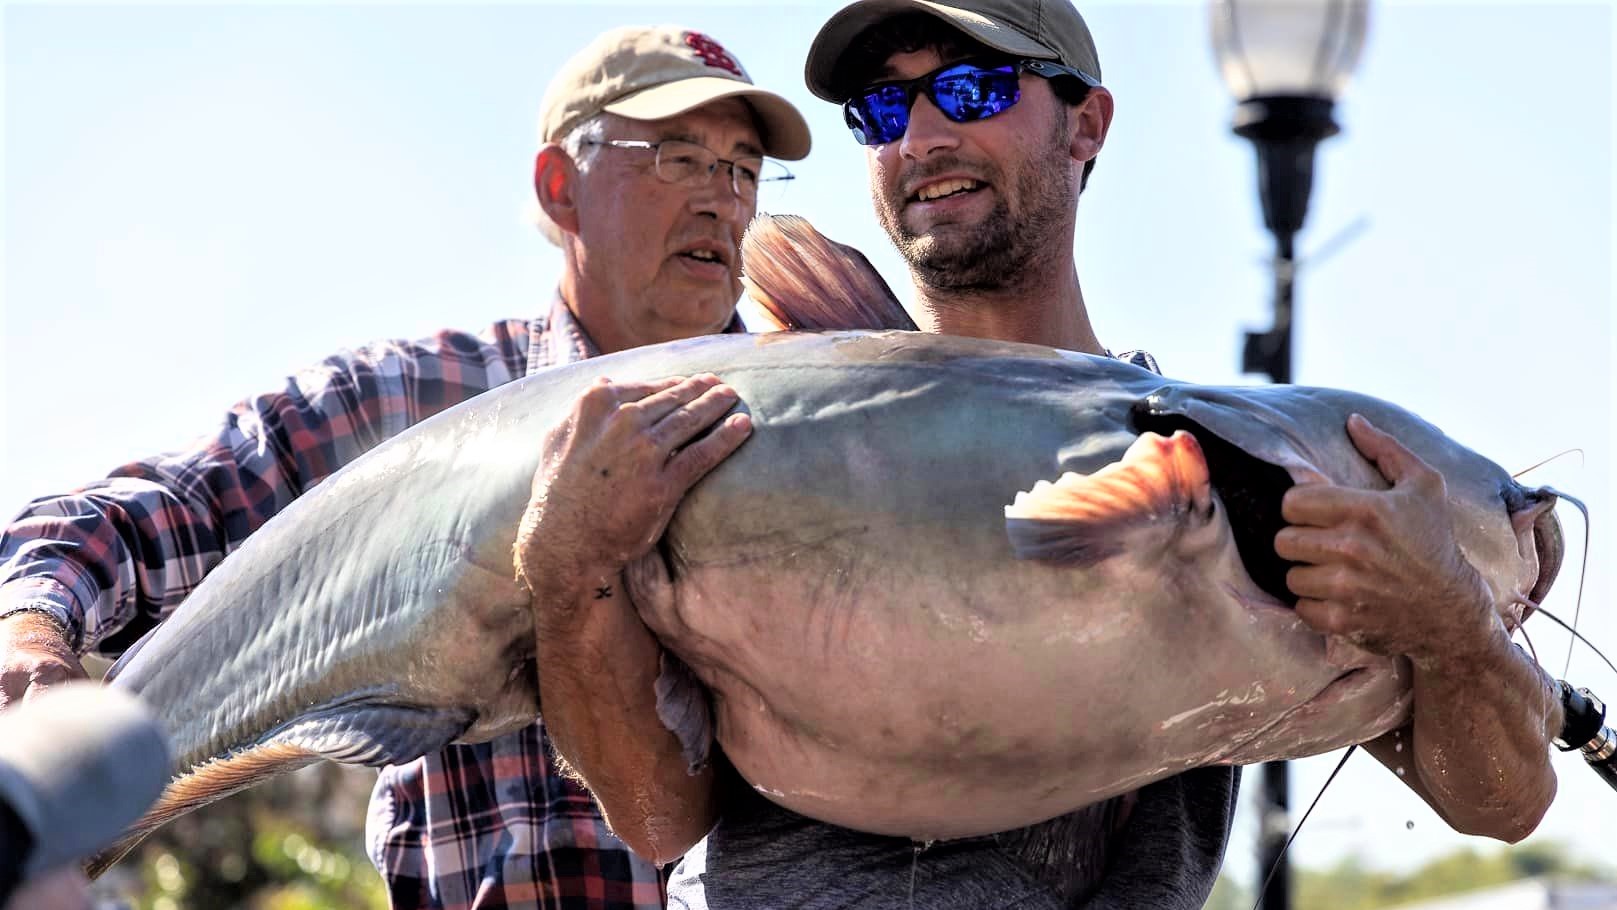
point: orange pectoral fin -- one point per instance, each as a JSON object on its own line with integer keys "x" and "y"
{"x": 1083, "y": 519}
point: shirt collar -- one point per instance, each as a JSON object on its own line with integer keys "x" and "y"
{"x": 558, "y": 338}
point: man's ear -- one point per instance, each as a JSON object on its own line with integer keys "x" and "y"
{"x": 1089, "y": 123}
{"x": 555, "y": 184}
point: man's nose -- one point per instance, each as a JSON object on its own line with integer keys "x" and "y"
{"x": 929, "y": 131}
{"x": 716, "y": 197}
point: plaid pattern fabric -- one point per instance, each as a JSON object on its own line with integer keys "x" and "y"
{"x": 491, "y": 826}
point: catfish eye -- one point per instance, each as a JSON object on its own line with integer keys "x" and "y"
{"x": 1514, "y": 496}
{"x": 1518, "y": 498}
{"x": 1529, "y": 509}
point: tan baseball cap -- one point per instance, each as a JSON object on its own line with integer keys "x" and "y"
{"x": 652, "y": 73}
{"x": 1036, "y": 29}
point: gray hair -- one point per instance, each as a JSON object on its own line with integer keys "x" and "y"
{"x": 580, "y": 145}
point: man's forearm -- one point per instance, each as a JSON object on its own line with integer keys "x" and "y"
{"x": 126, "y": 548}
{"x": 598, "y": 668}
{"x": 1479, "y": 744}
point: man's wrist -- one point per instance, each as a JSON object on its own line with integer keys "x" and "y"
{"x": 47, "y": 603}
{"x": 1464, "y": 661}
{"x": 553, "y": 573}
{"x": 565, "y": 585}
{"x": 37, "y": 616}
{"x": 1474, "y": 637}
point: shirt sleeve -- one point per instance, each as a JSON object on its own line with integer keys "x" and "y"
{"x": 112, "y": 558}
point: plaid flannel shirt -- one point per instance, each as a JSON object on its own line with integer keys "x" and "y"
{"x": 488, "y": 826}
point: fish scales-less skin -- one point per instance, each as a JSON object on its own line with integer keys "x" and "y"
{"x": 845, "y": 584}
{"x": 366, "y": 587}
{"x": 959, "y": 669}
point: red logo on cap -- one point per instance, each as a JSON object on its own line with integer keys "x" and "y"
{"x": 712, "y": 52}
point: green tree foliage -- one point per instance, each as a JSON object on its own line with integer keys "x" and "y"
{"x": 294, "y": 843}
{"x": 1351, "y": 885}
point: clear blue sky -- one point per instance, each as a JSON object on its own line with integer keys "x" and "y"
{"x": 199, "y": 199}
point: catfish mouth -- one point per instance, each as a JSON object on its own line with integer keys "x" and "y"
{"x": 1250, "y": 490}
{"x": 1550, "y": 544}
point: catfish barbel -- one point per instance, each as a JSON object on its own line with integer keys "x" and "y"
{"x": 947, "y": 587}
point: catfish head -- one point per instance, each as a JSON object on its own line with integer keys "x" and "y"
{"x": 1295, "y": 434}
{"x": 1227, "y": 457}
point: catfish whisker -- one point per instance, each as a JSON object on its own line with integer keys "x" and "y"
{"x": 1519, "y": 608}
{"x": 1528, "y": 470}
{"x": 1574, "y": 632}
{"x": 1583, "y": 573}
{"x": 1531, "y": 649}
{"x": 1300, "y": 822}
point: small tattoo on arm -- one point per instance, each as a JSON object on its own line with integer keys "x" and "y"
{"x": 603, "y": 592}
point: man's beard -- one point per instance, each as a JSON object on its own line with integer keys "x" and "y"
{"x": 997, "y": 252}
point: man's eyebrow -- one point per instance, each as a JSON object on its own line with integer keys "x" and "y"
{"x": 747, "y": 149}
{"x": 884, "y": 73}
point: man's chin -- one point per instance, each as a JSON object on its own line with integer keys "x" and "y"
{"x": 942, "y": 249}
{"x": 694, "y": 316}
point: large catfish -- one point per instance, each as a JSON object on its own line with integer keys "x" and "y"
{"x": 947, "y": 587}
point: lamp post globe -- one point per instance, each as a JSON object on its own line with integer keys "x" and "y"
{"x": 1285, "y": 62}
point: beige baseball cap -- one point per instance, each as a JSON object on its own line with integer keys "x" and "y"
{"x": 652, "y": 73}
{"x": 1036, "y": 29}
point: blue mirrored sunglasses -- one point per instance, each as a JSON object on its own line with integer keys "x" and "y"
{"x": 964, "y": 92}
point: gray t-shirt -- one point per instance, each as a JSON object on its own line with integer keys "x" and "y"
{"x": 1165, "y": 855}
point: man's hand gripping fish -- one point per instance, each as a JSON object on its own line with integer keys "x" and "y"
{"x": 947, "y": 587}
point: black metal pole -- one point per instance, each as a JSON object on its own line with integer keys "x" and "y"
{"x": 1274, "y": 825}
{"x": 1273, "y": 349}
{"x": 1285, "y": 130}
{"x": 1270, "y": 352}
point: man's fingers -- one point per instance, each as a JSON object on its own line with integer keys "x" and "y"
{"x": 1322, "y": 505}
{"x": 22, "y": 681}
{"x": 639, "y": 391}
{"x": 693, "y": 462}
{"x": 1308, "y": 545}
{"x": 13, "y": 685}
{"x": 1315, "y": 582}
{"x": 689, "y": 420}
{"x": 1325, "y": 618}
{"x": 1395, "y": 462}
{"x": 660, "y": 404}
{"x": 54, "y": 673}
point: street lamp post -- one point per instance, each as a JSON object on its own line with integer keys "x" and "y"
{"x": 1285, "y": 61}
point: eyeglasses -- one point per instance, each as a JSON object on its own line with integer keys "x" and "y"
{"x": 964, "y": 92}
{"x": 688, "y": 164}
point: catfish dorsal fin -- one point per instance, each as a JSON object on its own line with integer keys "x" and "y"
{"x": 1081, "y": 518}
{"x": 799, "y": 279}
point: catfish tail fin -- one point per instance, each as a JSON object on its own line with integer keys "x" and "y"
{"x": 202, "y": 785}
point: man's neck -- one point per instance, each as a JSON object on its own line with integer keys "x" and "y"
{"x": 1049, "y": 312}
{"x": 591, "y": 314}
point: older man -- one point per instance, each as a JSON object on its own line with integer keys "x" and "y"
{"x": 654, "y": 145}
{"x": 982, "y": 120}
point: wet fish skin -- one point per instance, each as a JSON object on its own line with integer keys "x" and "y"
{"x": 883, "y": 649}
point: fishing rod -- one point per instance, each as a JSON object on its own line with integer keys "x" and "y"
{"x": 1584, "y": 729}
